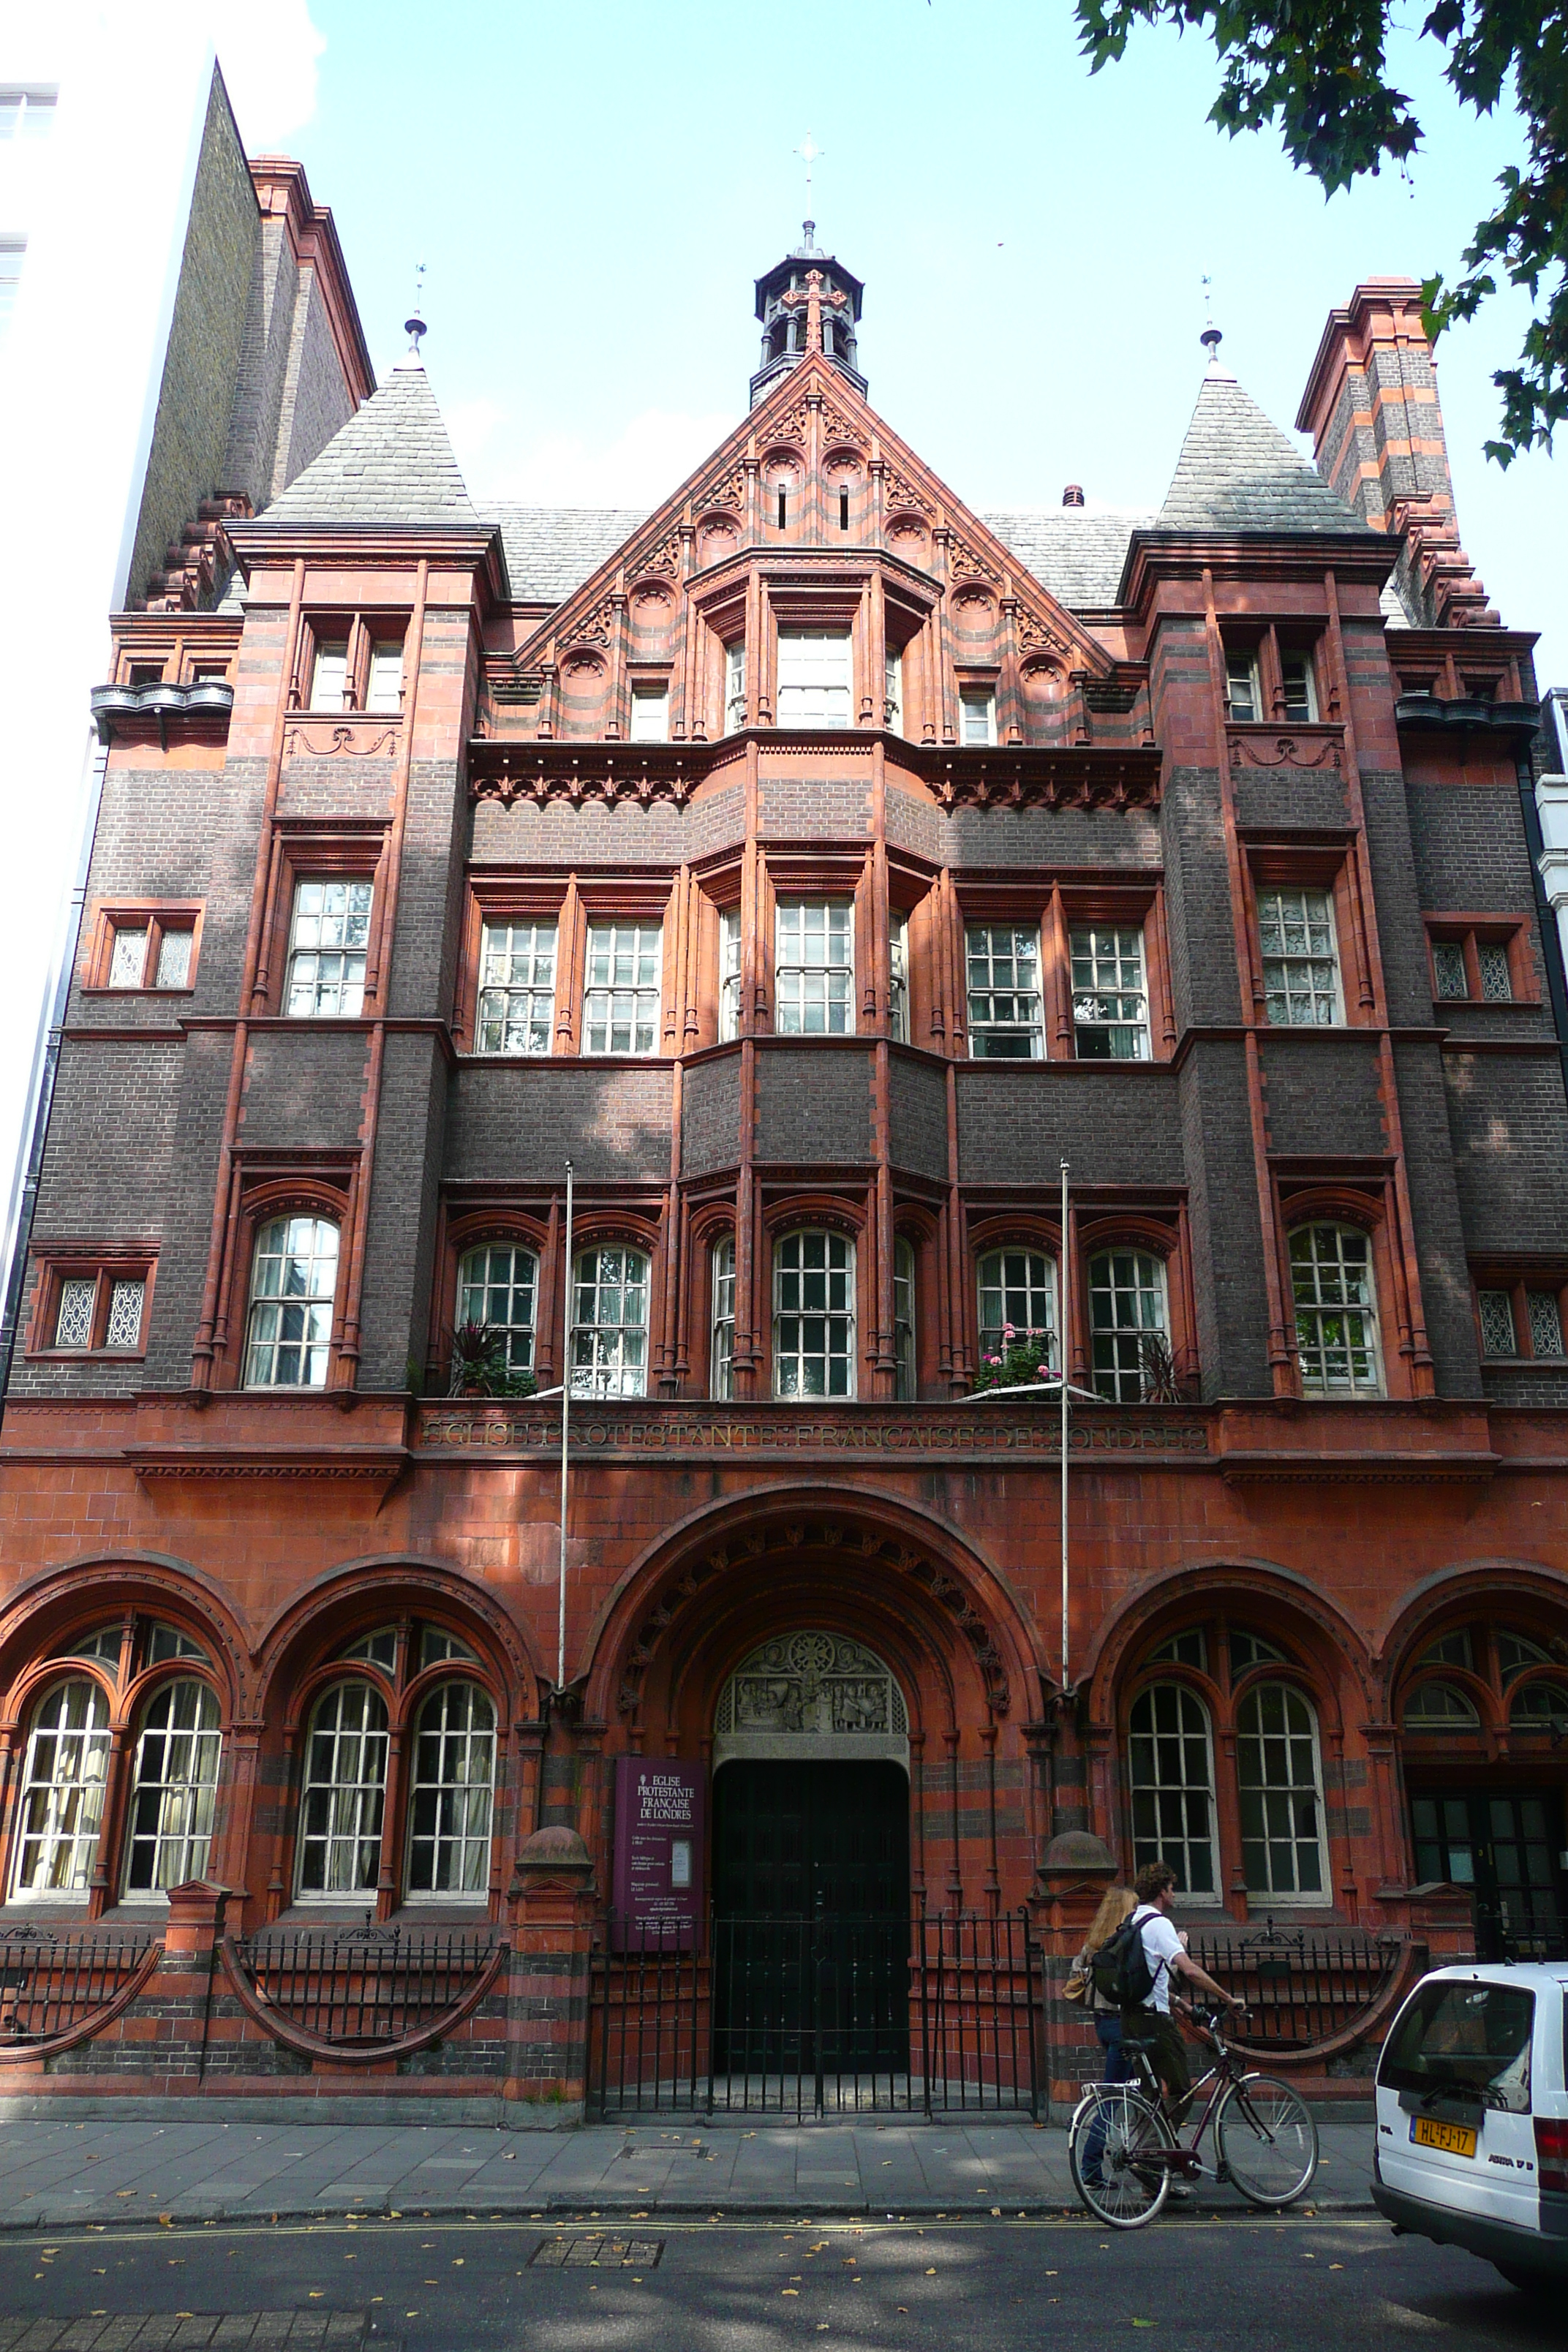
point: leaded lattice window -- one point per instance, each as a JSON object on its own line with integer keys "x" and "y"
{"x": 1497, "y": 975}
{"x": 294, "y": 1282}
{"x": 813, "y": 968}
{"x": 813, "y": 1316}
{"x": 1278, "y": 1781}
{"x": 126, "y": 1296}
{"x": 499, "y": 1286}
{"x": 328, "y": 942}
{"x": 1109, "y": 997}
{"x": 1497, "y": 1323}
{"x": 454, "y": 1783}
{"x": 175, "y": 1789}
{"x": 609, "y": 1324}
{"x": 1006, "y": 1021}
{"x": 344, "y": 1794}
{"x": 1545, "y": 1322}
{"x": 1171, "y": 1768}
{"x": 1127, "y": 1314}
{"x": 620, "y": 999}
{"x": 64, "y": 1776}
{"x": 1448, "y": 966}
{"x": 73, "y": 1324}
{"x": 1336, "y": 1311}
{"x": 517, "y": 988}
{"x": 1300, "y": 960}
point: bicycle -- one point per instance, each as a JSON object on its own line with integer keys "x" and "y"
{"x": 1124, "y": 2152}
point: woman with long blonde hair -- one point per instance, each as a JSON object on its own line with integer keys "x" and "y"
{"x": 1117, "y": 1904}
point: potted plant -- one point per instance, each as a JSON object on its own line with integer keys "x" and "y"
{"x": 1012, "y": 1358}
{"x": 479, "y": 1366}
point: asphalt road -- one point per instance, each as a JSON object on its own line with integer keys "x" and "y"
{"x": 1298, "y": 2284}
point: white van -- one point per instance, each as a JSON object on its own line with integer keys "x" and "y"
{"x": 1472, "y": 2118}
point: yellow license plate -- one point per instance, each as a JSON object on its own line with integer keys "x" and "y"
{"x": 1454, "y": 2139}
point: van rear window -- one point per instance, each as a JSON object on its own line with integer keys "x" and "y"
{"x": 1465, "y": 2040}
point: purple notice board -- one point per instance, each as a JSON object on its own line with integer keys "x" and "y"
{"x": 659, "y": 1858}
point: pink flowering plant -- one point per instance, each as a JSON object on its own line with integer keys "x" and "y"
{"x": 1014, "y": 1357}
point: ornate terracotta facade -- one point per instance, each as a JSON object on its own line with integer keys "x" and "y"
{"x": 816, "y": 865}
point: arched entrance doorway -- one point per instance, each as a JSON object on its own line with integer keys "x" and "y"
{"x": 811, "y": 1861}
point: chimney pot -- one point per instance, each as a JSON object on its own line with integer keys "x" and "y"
{"x": 1073, "y": 495}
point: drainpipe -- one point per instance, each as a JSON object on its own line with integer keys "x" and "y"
{"x": 30, "y": 1150}
{"x": 1543, "y": 805}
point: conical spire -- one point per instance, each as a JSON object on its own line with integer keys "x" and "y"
{"x": 391, "y": 464}
{"x": 1237, "y": 472}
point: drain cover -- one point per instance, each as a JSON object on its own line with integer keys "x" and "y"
{"x": 596, "y": 2253}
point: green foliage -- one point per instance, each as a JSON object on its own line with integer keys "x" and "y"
{"x": 1011, "y": 1359}
{"x": 479, "y": 1367}
{"x": 1318, "y": 70}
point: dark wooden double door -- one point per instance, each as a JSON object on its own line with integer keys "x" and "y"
{"x": 810, "y": 1918}
{"x": 1507, "y": 1845}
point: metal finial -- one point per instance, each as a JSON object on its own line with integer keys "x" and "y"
{"x": 414, "y": 327}
{"x": 1210, "y": 338}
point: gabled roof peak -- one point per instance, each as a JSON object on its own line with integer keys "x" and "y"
{"x": 1239, "y": 472}
{"x": 391, "y": 464}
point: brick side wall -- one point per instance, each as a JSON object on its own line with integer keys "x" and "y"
{"x": 1321, "y": 1093}
{"x": 1435, "y": 1203}
{"x": 264, "y": 364}
{"x": 562, "y": 837}
{"x": 917, "y": 1109}
{"x": 304, "y": 1088}
{"x": 1203, "y": 973}
{"x": 1469, "y": 848}
{"x": 316, "y": 400}
{"x": 403, "y": 1196}
{"x": 1227, "y": 1240}
{"x": 710, "y": 1116}
{"x": 1509, "y": 1129}
{"x": 207, "y": 334}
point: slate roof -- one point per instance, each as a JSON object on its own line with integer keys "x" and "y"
{"x": 1237, "y": 472}
{"x": 391, "y": 463}
{"x": 549, "y": 550}
{"x": 1075, "y": 553}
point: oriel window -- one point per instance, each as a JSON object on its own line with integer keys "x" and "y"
{"x": 517, "y": 988}
{"x": 722, "y": 1345}
{"x": 620, "y": 1000}
{"x": 729, "y": 975}
{"x": 1006, "y": 1020}
{"x": 1109, "y": 999}
{"x": 813, "y": 1316}
{"x": 328, "y": 940}
{"x": 813, "y": 968}
{"x": 814, "y": 678}
{"x": 497, "y": 1286}
{"x": 609, "y": 1324}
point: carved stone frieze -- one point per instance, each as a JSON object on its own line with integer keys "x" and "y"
{"x": 319, "y": 739}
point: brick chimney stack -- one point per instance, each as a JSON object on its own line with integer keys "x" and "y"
{"x": 1370, "y": 406}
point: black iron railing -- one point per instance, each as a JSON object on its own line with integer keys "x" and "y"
{"x": 1524, "y": 1925}
{"x": 363, "y": 1988}
{"x": 50, "y": 1984}
{"x": 817, "y": 2013}
{"x": 1302, "y": 1986}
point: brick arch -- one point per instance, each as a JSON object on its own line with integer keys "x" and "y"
{"x": 96, "y": 1587}
{"x": 395, "y": 1581}
{"x": 1486, "y": 1587}
{"x": 1323, "y": 1636}
{"x": 940, "y": 1583}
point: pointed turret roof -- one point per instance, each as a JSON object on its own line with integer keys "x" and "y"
{"x": 392, "y": 463}
{"x": 1237, "y": 472}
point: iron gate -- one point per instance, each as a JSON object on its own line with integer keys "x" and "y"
{"x": 817, "y": 2014}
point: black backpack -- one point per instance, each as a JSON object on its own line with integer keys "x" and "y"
{"x": 1120, "y": 1969}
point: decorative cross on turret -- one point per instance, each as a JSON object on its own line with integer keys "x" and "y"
{"x": 814, "y": 294}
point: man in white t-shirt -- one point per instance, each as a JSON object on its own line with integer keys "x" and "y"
{"x": 1168, "y": 1957}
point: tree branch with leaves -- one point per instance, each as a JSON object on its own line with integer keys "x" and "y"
{"x": 1318, "y": 70}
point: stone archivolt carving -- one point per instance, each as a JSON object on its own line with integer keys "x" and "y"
{"x": 812, "y": 1684}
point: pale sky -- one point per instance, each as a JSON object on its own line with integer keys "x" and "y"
{"x": 593, "y": 193}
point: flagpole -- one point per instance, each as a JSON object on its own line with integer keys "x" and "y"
{"x": 565, "y": 1433}
{"x": 1063, "y": 1341}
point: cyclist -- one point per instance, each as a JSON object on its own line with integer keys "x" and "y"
{"x": 1152, "y": 2023}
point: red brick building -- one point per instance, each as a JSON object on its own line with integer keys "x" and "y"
{"x": 815, "y": 864}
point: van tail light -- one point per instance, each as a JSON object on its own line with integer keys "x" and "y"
{"x": 1552, "y": 2151}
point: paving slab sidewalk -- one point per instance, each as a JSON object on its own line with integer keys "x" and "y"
{"x": 58, "y": 2173}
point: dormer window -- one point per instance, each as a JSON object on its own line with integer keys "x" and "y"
{"x": 978, "y": 711}
{"x": 814, "y": 678}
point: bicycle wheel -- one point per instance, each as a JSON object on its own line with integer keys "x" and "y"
{"x": 1112, "y": 2149}
{"x": 1266, "y": 2140}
